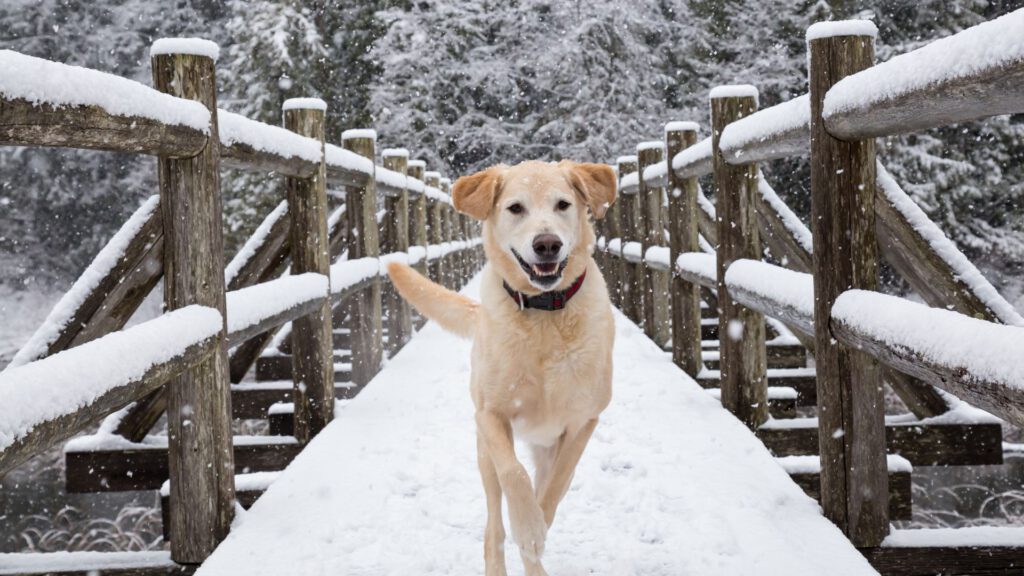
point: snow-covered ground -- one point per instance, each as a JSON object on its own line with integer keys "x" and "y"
{"x": 671, "y": 484}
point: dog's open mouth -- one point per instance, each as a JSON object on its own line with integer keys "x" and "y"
{"x": 542, "y": 274}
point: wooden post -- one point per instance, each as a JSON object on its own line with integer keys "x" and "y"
{"x": 435, "y": 225}
{"x": 682, "y": 224}
{"x": 854, "y": 479}
{"x": 396, "y": 239}
{"x": 312, "y": 339}
{"x": 364, "y": 306}
{"x": 200, "y": 456}
{"x": 632, "y": 292}
{"x": 657, "y": 308}
{"x": 612, "y": 269}
{"x": 743, "y": 362}
{"x": 418, "y": 230}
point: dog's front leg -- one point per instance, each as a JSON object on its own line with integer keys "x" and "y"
{"x": 529, "y": 529}
{"x": 494, "y": 534}
{"x": 561, "y": 474}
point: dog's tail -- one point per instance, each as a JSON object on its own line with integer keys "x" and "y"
{"x": 453, "y": 311}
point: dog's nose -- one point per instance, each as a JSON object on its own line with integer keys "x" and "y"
{"x": 547, "y": 246}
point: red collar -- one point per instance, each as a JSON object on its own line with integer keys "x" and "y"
{"x": 554, "y": 300}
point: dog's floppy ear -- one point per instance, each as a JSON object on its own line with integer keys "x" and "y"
{"x": 475, "y": 195}
{"x": 595, "y": 182}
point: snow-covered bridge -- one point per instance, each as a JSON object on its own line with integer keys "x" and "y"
{"x": 753, "y": 386}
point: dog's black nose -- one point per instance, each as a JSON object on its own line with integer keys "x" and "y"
{"x": 547, "y": 246}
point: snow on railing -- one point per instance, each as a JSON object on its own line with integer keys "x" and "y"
{"x": 781, "y": 130}
{"x": 255, "y": 304}
{"x": 237, "y": 129}
{"x": 790, "y": 220}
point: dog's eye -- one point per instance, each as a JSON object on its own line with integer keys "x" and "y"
{"x": 562, "y": 206}
{"x": 516, "y": 208}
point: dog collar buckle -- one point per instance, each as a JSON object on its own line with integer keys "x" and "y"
{"x": 551, "y": 301}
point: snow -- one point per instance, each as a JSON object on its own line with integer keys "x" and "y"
{"x": 959, "y": 537}
{"x": 981, "y": 350}
{"x": 348, "y": 273}
{"x": 650, "y": 145}
{"x": 699, "y": 263}
{"x": 733, "y": 91}
{"x": 41, "y": 81}
{"x": 237, "y": 129}
{"x": 682, "y": 126}
{"x": 193, "y": 46}
{"x": 658, "y": 255}
{"x": 790, "y": 220}
{"x": 436, "y": 194}
{"x": 629, "y": 181}
{"x": 615, "y": 246}
{"x": 627, "y": 159}
{"x": 72, "y": 379}
{"x": 774, "y": 392}
{"x": 389, "y": 177}
{"x": 415, "y": 185}
{"x": 338, "y": 156}
{"x": 670, "y": 484}
{"x": 945, "y": 249}
{"x": 399, "y": 152}
{"x": 821, "y": 30}
{"x": 706, "y": 205}
{"x": 82, "y": 562}
{"x": 986, "y": 46}
{"x": 98, "y": 269}
{"x": 812, "y": 464}
{"x": 431, "y": 174}
{"x": 256, "y": 303}
{"x": 359, "y": 133}
{"x": 417, "y": 164}
{"x": 794, "y": 289}
{"x": 655, "y": 172}
{"x": 250, "y": 482}
{"x": 248, "y": 250}
{"x": 304, "y": 104}
{"x": 766, "y": 124}
{"x": 699, "y": 152}
{"x": 632, "y": 251}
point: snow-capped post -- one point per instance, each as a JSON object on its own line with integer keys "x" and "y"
{"x": 396, "y": 239}
{"x": 632, "y": 292}
{"x": 418, "y": 221}
{"x": 200, "y": 456}
{"x": 364, "y": 306}
{"x": 451, "y": 234}
{"x": 682, "y": 227}
{"x": 435, "y": 224}
{"x": 744, "y": 380}
{"x": 851, "y": 423}
{"x": 656, "y": 282}
{"x": 312, "y": 336}
{"x": 613, "y": 231}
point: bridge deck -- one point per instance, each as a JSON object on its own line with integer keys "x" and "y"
{"x": 671, "y": 484}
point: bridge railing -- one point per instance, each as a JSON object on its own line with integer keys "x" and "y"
{"x": 82, "y": 366}
{"x": 967, "y": 343}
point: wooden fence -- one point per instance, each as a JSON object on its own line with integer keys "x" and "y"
{"x": 308, "y": 274}
{"x": 964, "y": 345}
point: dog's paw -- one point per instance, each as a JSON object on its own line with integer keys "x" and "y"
{"x": 529, "y": 530}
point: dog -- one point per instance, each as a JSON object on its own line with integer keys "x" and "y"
{"x": 542, "y": 337}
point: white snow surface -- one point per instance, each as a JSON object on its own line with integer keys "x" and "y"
{"x": 820, "y": 30}
{"x": 347, "y": 159}
{"x": 52, "y": 562}
{"x": 650, "y": 145}
{"x": 670, "y": 484}
{"x": 792, "y": 222}
{"x": 682, "y": 125}
{"x": 417, "y": 164}
{"x": 766, "y": 124}
{"x": 348, "y": 273}
{"x": 688, "y": 156}
{"x": 698, "y": 263}
{"x": 795, "y": 289}
{"x": 626, "y": 159}
{"x": 255, "y": 303}
{"x": 431, "y": 174}
{"x": 67, "y": 381}
{"x": 235, "y": 128}
{"x": 248, "y": 250}
{"x": 304, "y": 104}
{"x": 986, "y": 46}
{"x": 733, "y": 91}
{"x": 400, "y": 152}
{"x": 658, "y": 255}
{"x": 41, "y": 81}
{"x": 359, "y": 133}
{"x": 812, "y": 464}
{"x": 192, "y": 46}
{"x": 631, "y": 181}
{"x": 969, "y": 536}
{"x": 389, "y": 177}
{"x": 983, "y": 350}
{"x": 100, "y": 266}
{"x": 945, "y": 249}
{"x": 655, "y": 172}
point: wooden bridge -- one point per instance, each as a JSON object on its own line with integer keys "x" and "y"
{"x": 751, "y": 359}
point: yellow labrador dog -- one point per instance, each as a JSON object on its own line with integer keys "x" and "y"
{"x": 542, "y": 337}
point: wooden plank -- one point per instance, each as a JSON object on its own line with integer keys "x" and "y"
{"x": 92, "y": 564}
{"x": 252, "y": 402}
{"x": 900, "y": 492}
{"x": 743, "y": 362}
{"x": 145, "y": 468}
{"x": 960, "y": 560}
{"x": 683, "y": 232}
{"x": 242, "y": 156}
{"x": 23, "y": 123}
{"x": 921, "y": 444}
{"x": 850, "y": 397}
{"x": 199, "y": 402}
{"x": 613, "y": 269}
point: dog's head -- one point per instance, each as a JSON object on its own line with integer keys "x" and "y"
{"x": 536, "y": 230}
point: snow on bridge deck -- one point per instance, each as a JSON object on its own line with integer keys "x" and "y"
{"x": 671, "y": 484}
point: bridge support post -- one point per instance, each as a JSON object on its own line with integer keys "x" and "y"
{"x": 418, "y": 221}
{"x": 657, "y": 310}
{"x": 682, "y": 225}
{"x": 435, "y": 226}
{"x": 364, "y": 306}
{"x": 200, "y": 456}
{"x": 741, "y": 330}
{"x": 632, "y": 285}
{"x": 312, "y": 337}
{"x": 612, "y": 270}
{"x": 396, "y": 239}
{"x": 854, "y": 481}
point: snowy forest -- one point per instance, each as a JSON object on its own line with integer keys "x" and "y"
{"x": 468, "y": 83}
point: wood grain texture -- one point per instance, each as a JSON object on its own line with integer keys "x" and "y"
{"x": 741, "y": 329}
{"x": 613, "y": 268}
{"x": 418, "y": 221}
{"x": 959, "y": 560}
{"x": 199, "y": 401}
{"x": 395, "y": 238}
{"x": 900, "y": 497}
{"x": 850, "y": 396}
{"x": 632, "y": 291}
{"x": 435, "y": 229}
{"x": 656, "y": 282}
{"x": 683, "y": 232}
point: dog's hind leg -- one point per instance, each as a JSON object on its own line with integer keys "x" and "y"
{"x": 571, "y": 449}
{"x": 494, "y": 534}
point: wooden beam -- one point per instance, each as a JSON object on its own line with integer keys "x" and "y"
{"x": 683, "y": 232}
{"x": 632, "y": 292}
{"x": 242, "y": 156}
{"x": 960, "y": 560}
{"x": 900, "y": 491}
{"x": 153, "y": 563}
{"x": 657, "y": 314}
